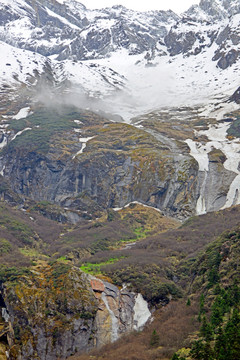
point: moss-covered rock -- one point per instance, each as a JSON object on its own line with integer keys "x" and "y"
{"x": 52, "y": 311}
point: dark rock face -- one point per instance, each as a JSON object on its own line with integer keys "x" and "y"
{"x": 236, "y": 96}
{"x": 224, "y": 55}
{"x": 215, "y": 10}
{"x": 226, "y": 59}
{"x": 56, "y": 323}
{"x": 179, "y": 43}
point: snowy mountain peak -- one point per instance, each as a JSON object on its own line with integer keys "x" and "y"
{"x": 212, "y": 10}
{"x": 145, "y": 56}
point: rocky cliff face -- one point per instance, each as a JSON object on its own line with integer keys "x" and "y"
{"x": 53, "y": 312}
{"x": 94, "y": 164}
{"x": 70, "y": 30}
{"x": 86, "y": 164}
{"x": 72, "y": 164}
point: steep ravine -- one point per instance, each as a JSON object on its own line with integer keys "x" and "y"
{"x": 205, "y": 132}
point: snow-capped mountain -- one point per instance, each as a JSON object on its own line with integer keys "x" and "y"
{"x": 210, "y": 10}
{"x": 68, "y": 30}
{"x": 135, "y": 61}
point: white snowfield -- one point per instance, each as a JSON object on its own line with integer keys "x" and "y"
{"x": 123, "y": 84}
{"x": 131, "y": 88}
{"x": 18, "y": 66}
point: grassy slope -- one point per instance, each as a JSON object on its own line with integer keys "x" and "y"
{"x": 177, "y": 325}
{"x": 158, "y": 258}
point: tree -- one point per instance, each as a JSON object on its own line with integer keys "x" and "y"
{"x": 202, "y": 351}
{"x": 154, "y": 341}
{"x": 188, "y": 302}
{"x": 175, "y": 357}
{"x": 206, "y": 330}
{"x": 218, "y": 310}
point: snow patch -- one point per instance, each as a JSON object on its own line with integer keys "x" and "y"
{"x": 141, "y": 312}
{"x": 217, "y": 136}
{"x": 23, "y": 113}
{"x": 20, "y": 133}
{"x": 5, "y": 315}
{"x": 2, "y": 170}
{"x": 83, "y": 141}
{"x": 4, "y": 142}
{"x": 136, "y": 202}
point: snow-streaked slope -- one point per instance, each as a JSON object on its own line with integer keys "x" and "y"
{"x": 217, "y": 139}
{"x": 130, "y": 85}
{"x": 212, "y": 10}
{"x": 24, "y": 67}
{"x": 96, "y": 81}
{"x": 19, "y": 66}
{"x": 67, "y": 29}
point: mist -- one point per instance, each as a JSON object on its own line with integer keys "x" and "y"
{"x": 144, "y": 89}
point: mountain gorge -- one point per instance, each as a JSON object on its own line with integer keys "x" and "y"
{"x": 119, "y": 168}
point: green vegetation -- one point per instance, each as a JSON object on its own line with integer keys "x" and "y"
{"x": 155, "y": 339}
{"x": 20, "y": 230}
{"x": 219, "y": 337}
{"x": 194, "y": 266}
{"x": 12, "y": 273}
{"x": 15, "y": 227}
{"x": 3, "y": 186}
{"x": 5, "y": 246}
{"x": 45, "y": 123}
{"x": 33, "y": 254}
{"x": 59, "y": 270}
{"x": 96, "y": 268}
{"x": 147, "y": 279}
{"x": 219, "y": 306}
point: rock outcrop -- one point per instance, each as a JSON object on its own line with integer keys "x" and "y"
{"x": 56, "y": 311}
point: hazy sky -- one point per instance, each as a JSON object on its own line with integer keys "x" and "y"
{"x": 176, "y": 5}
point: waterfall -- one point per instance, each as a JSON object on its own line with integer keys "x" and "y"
{"x": 5, "y": 314}
{"x": 217, "y": 138}
{"x": 201, "y": 203}
{"x": 114, "y": 334}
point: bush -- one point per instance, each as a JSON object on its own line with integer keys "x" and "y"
{"x": 5, "y": 246}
